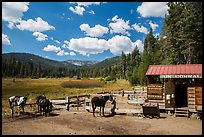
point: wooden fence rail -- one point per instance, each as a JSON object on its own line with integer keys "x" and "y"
{"x": 69, "y": 101}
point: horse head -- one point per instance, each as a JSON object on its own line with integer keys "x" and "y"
{"x": 111, "y": 97}
{"x": 50, "y": 106}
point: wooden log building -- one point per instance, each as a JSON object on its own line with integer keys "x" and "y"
{"x": 175, "y": 86}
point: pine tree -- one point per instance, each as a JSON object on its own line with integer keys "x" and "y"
{"x": 123, "y": 65}
{"x": 184, "y": 32}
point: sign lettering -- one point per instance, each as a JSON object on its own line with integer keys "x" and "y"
{"x": 180, "y": 76}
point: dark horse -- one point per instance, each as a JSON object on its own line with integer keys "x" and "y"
{"x": 19, "y": 101}
{"x": 100, "y": 101}
{"x": 39, "y": 99}
{"x": 45, "y": 106}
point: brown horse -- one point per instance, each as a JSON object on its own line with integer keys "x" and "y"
{"x": 39, "y": 99}
{"x": 100, "y": 101}
{"x": 45, "y": 106}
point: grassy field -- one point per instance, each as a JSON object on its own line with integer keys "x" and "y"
{"x": 52, "y": 88}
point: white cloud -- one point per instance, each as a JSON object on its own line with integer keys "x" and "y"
{"x": 11, "y": 25}
{"x": 5, "y": 39}
{"x": 119, "y": 26}
{"x": 72, "y": 53}
{"x": 96, "y": 31}
{"x": 86, "y": 4}
{"x": 64, "y": 46}
{"x": 66, "y": 42}
{"x": 58, "y": 51}
{"x": 57, "y": 41}
{"x": 141, "y": 29}
{"x": 40, "y": 36}
{"x": 156, "y": 35}
{"x": 63, "y": 53}
{"x": 140, "y": 45}
{"x": 91, "y": 12}
{"x": 77, "y": 10}
{"x": 52, "y": 48}
{"x": 34, "y": 25}
{"x": 153, "y": 9}
{"x": 87, "y": 46}
{"x": 114, "y": 18}
{"x": 117, "y": 44}
{"x": 13, "y": 11}
{"x": 153, "y": 26}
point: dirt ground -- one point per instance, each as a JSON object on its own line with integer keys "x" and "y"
{"x": 81, "y": 122}
{"x": 63, "y": 122}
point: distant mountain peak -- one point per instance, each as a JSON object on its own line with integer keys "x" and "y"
{"x": 81, "y": 62}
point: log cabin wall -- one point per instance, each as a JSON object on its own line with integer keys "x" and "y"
{"x": 182, "y": 85}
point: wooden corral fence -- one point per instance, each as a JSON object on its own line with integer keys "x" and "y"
{"x": 69, "y": 101}
{"x": 136, "y": 96}
{"x": 32, "y": 106}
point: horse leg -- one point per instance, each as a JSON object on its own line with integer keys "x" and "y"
{"x": 46, "y": 111}
{"x": 93, "y": 109}
{"x": 100, "y": 111}
{"x": 38, "y": 108}
{"x": 41, "y": 110}
{"x": 12, "y": 112}
{"x": 23, "y": 109}
{"x": 18, "y": 110}
{"x": 103, "y": 110}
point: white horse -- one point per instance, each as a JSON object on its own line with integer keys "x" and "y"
{"x": 18, "y": 101}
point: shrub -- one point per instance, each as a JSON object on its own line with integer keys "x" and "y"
{"x": 82, "y": 84}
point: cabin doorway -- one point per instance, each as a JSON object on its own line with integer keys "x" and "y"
{"x": 181, "y": 95}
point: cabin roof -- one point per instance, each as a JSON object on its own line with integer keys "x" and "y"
{"x": 182, "y": 69}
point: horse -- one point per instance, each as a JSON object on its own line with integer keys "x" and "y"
{"x": 39, "y": 99}
{"x": 100, "y": 101}
{"x": 45, "y": 106}
{"x": 19, "y": 101}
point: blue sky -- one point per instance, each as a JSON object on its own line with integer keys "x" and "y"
{"x": 79, "y": 30}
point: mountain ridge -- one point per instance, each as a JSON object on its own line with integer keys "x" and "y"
{"x": 67, "y": 64}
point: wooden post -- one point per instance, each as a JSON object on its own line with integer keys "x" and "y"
{"x": 67, "y": 98}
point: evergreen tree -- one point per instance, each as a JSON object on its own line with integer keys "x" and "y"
{"x": 184, "y": 32}
{"x": 123, "y": 65}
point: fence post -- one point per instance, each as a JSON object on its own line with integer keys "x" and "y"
{"x": 67, "y": 98}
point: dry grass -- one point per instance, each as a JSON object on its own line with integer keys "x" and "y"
{"x": 51, "y": 87}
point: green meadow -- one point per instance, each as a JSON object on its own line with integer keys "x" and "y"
{"x": 54, "y": 88}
